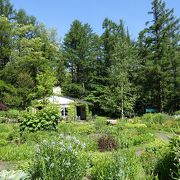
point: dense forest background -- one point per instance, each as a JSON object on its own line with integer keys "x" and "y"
{"x": 119, "y": 75}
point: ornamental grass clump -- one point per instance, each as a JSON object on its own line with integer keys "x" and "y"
{"x": 62, "y": 159}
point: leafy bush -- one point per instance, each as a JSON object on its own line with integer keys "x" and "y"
{"x": 60, "y": 159}
{"x": 16, "y": 175}
{"x": 45, "y": 119}
{"x": 175, "y": 150}
{"x": 116, "y": 166}
{"x": 156, "y": 118}
{"x": 162, "y": 161}
{"x": 172, "y": 125}
{"x": 169, "y": 164}
{"x": 107, "y": 143}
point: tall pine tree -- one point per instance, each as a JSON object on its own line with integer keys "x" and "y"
{"x": 158, "y": 43}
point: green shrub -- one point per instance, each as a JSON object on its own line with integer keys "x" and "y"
{"x": 156, "y": 118}
{"x": 172, "y": 125}
{"x": 45, "y": 119}
{"x": 114, "y": 166}
{"x": 162, "y": 161}
{"x": 177, "y": 113}
{"x": 175, "y": 150}
{"x": 60, "y": 159}
{"x": 169, "y": 164}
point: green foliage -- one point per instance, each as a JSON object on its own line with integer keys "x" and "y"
{"x": 141, "y": 153}
{"x": 16, "y": 152}
{"x": 157, "y": 118}
{"x": 11, "y": 115}
{"x": 72, "y": 112}
{"x": 45, "y": 119}
{"x": 5, "y": 38}
{"x": 162, "y": 160}
{"x": 158, "y": 50}
{"x": 152, "y": 155}
{"x": 59, "y": 159}
{"x": 100, "y": 123}
{"x": 116, "y": 166}
{"x": 73, "y": 89}
{"x": 46, "y": 82}
{"x": 174, "y": 157}
{"x": 79, "y": 52}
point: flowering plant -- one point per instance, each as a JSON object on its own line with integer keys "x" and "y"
{"x": 63, "y": 158}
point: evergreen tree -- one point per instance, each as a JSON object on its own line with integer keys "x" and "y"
{"x": 121, "y": 95}
{"x": 158, "y": 41}
{"x": 80, "y": 57}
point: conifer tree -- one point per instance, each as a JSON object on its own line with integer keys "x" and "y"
{"x": 159, "y": 42}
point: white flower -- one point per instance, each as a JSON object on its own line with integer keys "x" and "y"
{"x": 68, "y": 137}
{"x": 70, "y": 147}
{"x": 77, "y": 141}
{"x": 53, "y": 143}
{"x": 38, "y": 149}
{"x": 61, "y": 143}
{"x": 68, "y": 163}
{"x": 45, "y": 142}
{"x": 47, "y": 158}
{"x": 51, "y": 165}
{"x": 83, "y": 145}
{"x": 61, "y": 136}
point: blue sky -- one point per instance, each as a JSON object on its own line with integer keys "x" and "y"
{"x": 59, "y": 14}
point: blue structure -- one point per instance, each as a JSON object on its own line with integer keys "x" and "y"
{"x": 151, "y": 110}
